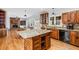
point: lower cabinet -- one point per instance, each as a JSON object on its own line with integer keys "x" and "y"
{"x": 77, "y": 39}
{"x": 36, "y": 43}
{"x": 41, "y": 42}
{"x": 74, "y": 38}
{"x": 55, "y": 34}
{"x": 48, "y": 42}
{"x": 45, "y": 41}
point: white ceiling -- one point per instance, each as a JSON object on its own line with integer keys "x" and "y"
{"x": 21, "y": 11}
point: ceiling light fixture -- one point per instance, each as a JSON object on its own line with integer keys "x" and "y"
{"x": 53, "y": 13}
{"x": 25, "y": 14}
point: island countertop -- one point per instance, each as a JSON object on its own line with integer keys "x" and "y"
{"x": 31, "y": 33}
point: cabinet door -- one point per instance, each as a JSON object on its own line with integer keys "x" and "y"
{"x": 77, "y": 17}
{"x": 73, "y": 17}
{"x": 2, "y": 19}
{"x": 55, "y": 34}
{"x": 77, "y": 38}
{"x": 69, "y": 17}
{"x": 48, "y": 42}
{"x": 66, "y": 18}
{"x": 72, "y": 38}
{"x": 44, "y": 18}
{"x": 36, "y": 42}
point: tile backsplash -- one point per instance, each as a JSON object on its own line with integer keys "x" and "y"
{"x": 76, "y": 26}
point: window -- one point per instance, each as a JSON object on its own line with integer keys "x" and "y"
{"x": 22, "y": 22}
{"x": 58, "y": 19}
{"x": 52, "y": 19}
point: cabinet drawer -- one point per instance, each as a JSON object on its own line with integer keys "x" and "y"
{"x": 37, "y": 46}
{"x": 36, "y": 42}
{"x": 36, "y": 38}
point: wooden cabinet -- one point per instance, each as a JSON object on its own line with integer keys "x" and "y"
{"x": 36, "y": 43}
{"x": 55, "y": 33}
{"x": 44, "y": 18}
{"x": 33, "y": 43}
{"x": 45, "y": 41}
{"x": 28, "y": 44}
{"x": 69, "y": 17}
{"x": 65, "y": 18}
{"x": 48, "y": 42}
{"x": 77, "y": 17}
{"x": 73, "y": 17}
{"x": 77, "y": 38}
{"x": 74, "y": 38}
{"x": 14, "y": 22}
{"x": 41, "y": 42}
{"x": 2, "y": 18}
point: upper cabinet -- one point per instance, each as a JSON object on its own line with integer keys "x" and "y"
{"x": 65, "y": 18}
{"x": 44, "y": 18}
{"x": 69, "y": 17}
{"x": 14, "y": 22}
{"x": 73, "y": 17}
{"x": 2, "y": 18}
{"x": 77, "y": 17}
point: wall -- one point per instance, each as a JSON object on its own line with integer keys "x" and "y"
{"x": 34, "y": 20}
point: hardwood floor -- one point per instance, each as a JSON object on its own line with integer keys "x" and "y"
{"x": 13, "y": 42}
{"x": 59, "y": 45}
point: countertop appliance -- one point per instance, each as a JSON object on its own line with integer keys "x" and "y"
{"x": 70, "y": 26}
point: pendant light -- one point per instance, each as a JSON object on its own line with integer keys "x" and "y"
{"x": 53, "y": 13}
{"x": 25, "y": 14}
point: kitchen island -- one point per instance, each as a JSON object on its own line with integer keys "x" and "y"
{"x": 35, "y": 39}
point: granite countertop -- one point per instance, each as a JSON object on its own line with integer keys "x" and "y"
{"x": 31, "y": 33}
{"x": 62, "y": 28}
{"x": 68, "y": 29}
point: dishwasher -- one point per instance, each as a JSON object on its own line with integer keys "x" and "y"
{"x": 64, "y": 36}
{"x": 67, "y": 37}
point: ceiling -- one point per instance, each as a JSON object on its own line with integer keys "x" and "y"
{"x": 19, "y": 12}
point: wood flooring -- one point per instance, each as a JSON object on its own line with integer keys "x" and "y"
{"x": 13, "y": 42}
{"x": 59, "y": 45}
